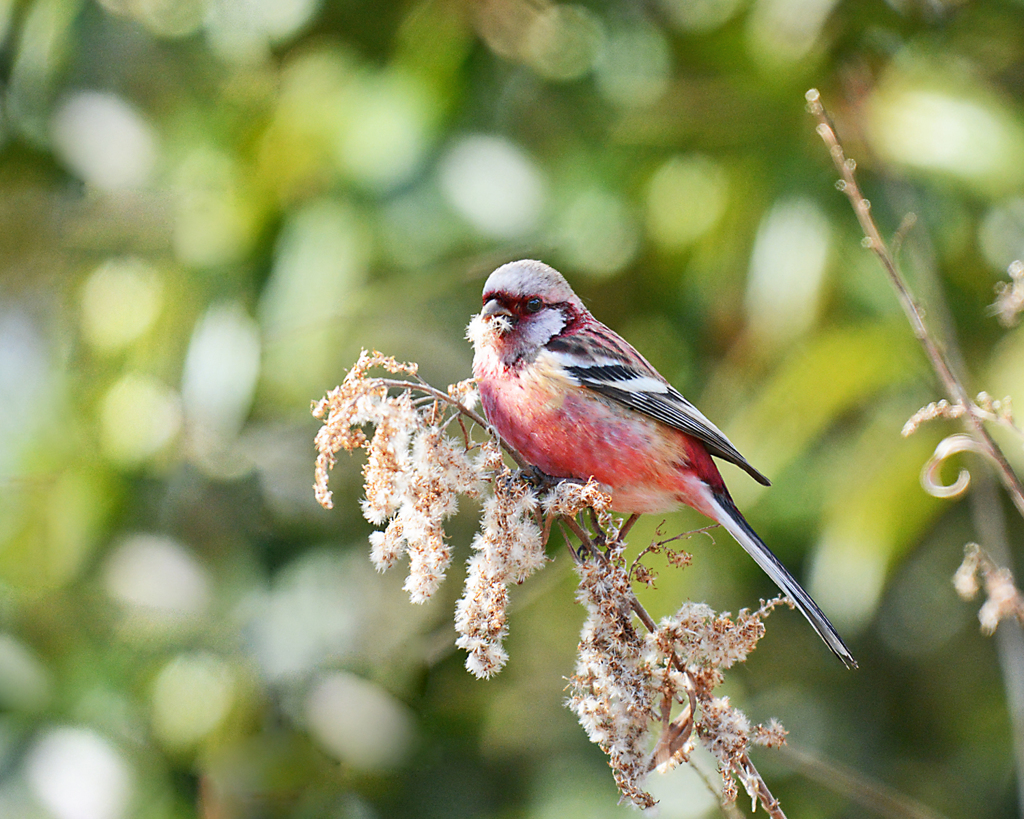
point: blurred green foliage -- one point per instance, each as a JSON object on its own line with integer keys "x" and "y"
{"x": 208, "y": 206}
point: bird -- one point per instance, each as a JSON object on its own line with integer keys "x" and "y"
{"x": 576, "y": 400}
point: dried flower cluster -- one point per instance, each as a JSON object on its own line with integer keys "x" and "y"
{"x": 414, "y": 470}
{"x": 621, "y": 676}
{"x": 611, "y": 691}
{"x": 1003, "y": 598}
{"x": 508, "y": 549}
{"x": 687, "y": 654}
{"x": 626, "y": 683}
{"x": 985, "y": 407}
{"x": 1010, "y": 295}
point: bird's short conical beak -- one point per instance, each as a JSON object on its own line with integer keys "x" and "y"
{"x": 495, "y": 308}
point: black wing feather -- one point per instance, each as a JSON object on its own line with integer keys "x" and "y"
{"x": 669, "y": 407}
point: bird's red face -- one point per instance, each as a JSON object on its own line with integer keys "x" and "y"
{"x": 512, "y": 308}
{"x": 519, "y": 324}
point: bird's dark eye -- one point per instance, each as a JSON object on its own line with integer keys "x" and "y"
{"x": 533, "y": 305}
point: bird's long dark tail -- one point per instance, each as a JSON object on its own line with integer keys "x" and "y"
{"x": 736, "y": 524}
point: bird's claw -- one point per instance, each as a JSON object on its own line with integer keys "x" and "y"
{"x": 536, "y": 477}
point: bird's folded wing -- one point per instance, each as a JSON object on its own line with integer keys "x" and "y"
{"x": 646, "y": 393}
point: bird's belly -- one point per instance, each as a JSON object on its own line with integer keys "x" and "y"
{"x": 569, "y": 432}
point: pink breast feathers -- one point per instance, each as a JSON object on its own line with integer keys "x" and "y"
{"x": 570, "y": 432}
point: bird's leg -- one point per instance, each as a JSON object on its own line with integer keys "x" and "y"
{"x": 537, "y": 478}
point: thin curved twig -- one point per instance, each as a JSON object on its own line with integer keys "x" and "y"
{"x": 871, "y": 795}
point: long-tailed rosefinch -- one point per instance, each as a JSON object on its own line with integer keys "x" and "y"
{"x": 579, "y": 402}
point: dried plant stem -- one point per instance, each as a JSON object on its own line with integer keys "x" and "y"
{"x": 729, "y": 809}
{"x": 873, "y": 239}
{"x": 628, "y": 525}
{"x": 472, "y": 415}
{"x": 764, "y": 796}
{"x": 634, "y": 604}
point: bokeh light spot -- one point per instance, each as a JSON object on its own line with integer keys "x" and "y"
{"x": 164, "y": 18}
{"x": 139, "y": 417}
{"x": 221, "y": 369}
{"x": 1001, "y": 233}
{"x": 685, "y": 199}
{"x": 24, "y": 680}
{"x": 192, "y": 695}
{"x": 215, "y": 216}
{"x": 120, "y": 301}
{"x": 969, "y": 138}
{"x": 786, "y": 31}
{"x": 25, "y": 375}
{"x": 634, "y": 65}
{"x": 700, "y": 15}
{"x": 383, "y": 134}
{"x": 562, "y": 41}
{"x": 156, "y": 577}
{"x": 320, "y": 264}
{"x": 787, "y": 270}
{"x": 243, "y": 30}
{"x": 311, "y": 615}
{"x": 358, "y": 722}
{"x": 494, "y": 185}
{"x": 77, "y": 774}
{"x": 105, "y": 141}
{"x": 847, "y": 576}
{"x": 597, "y": 233}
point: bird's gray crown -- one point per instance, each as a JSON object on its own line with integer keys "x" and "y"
{"x": 529, "y": 277}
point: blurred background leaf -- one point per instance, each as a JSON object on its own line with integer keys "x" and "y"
{"x": 208, "y": 206}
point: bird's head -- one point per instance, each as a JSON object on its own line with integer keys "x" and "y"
{"x": 525, "y": 305}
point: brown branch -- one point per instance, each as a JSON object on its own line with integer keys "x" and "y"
{"x": 728, "y": 809}
{"x": 472, "y": 415}
{"x": 936, "y": 355}
{"x": 585, "y": 540}
{"x": 628, "y": 525}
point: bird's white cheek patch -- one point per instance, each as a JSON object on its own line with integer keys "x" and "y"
{"x": 543, "y": 327}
